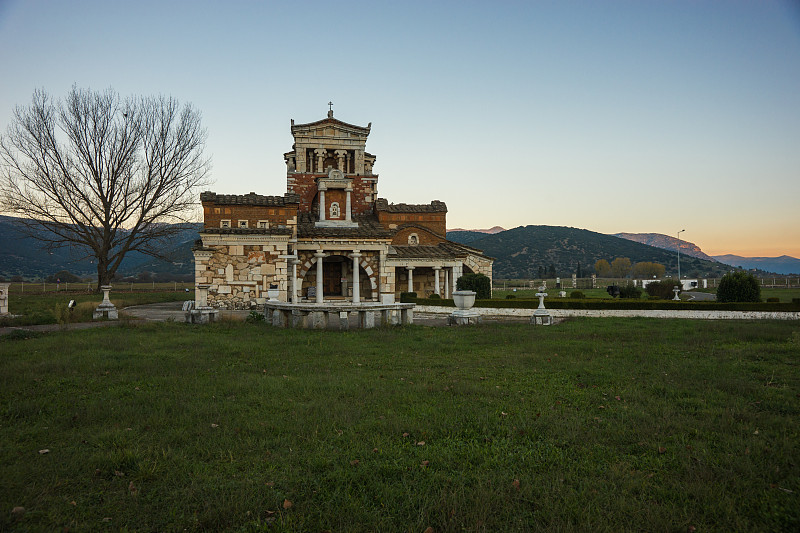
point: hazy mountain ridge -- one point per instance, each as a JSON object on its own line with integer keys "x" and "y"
{"x": 666, "y": 242}
{"x": 784, "y": 264}
{"x": 491, "y": 231}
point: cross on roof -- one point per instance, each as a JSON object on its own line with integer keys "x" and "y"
{"x": 330, "y": 105}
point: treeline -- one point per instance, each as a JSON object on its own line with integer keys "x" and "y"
{"x": 621, "y": 267}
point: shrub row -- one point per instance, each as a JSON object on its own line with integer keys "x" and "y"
{"x": 602, "y": 303}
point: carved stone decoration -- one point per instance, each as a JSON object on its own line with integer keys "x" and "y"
{"x": 336, "y": 174}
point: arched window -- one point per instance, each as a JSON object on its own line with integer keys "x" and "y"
{"x": 413, "y": 239}
{"x": 335, "y": 210}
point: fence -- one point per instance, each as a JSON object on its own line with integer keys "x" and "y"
{"x": 41, "y": 287}
{"x": 787, "y": 282}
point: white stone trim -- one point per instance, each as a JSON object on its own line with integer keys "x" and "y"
{"x": 621, "y": 313}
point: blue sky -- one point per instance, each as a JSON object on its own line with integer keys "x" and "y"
{"x": 635, "y": 116}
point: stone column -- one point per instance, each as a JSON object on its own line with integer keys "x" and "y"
{"x": 347, "y": 170}
{"x": 446, "y": 283}
{"x": 348, "y": 216}
{"x": 359, "y": 161}
{"x": 340, "y": 156}
{"x": 320, "y": 152}
{"x": 436, "y": 288}
{"x": 457, "y": 270}
{"x": 410, "y": 270}
{"x": 356, "y": 277}
{"x": 201, "y": 296}
{"x": 319, "y": 255}
{"x": 322, "y": 204}
{"x": 293, "y": 266}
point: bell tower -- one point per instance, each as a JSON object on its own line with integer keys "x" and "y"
{"x": 330, "y": 155}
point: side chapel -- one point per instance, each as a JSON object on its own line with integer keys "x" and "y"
{"x": 329, "y": 237}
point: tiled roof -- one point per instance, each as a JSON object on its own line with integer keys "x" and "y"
{"x": 443, "y": 250}
{"x": 368, "y": 227}
{"x": 274, "y": 230}
{"x": 382, "y": 204}
{"x": 249, "y": 199}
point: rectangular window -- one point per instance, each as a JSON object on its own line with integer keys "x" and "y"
{"x": 242, "y": 223}
{"x": 263, "y": 224}
{"x": 224, "y": 223}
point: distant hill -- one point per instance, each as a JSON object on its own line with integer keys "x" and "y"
{"x": 492, "y": 230}
{"x": 519, "y": 252}
{"x": 464, "y": 236}
{"x": 779, "y": 265}
{"x": 24, "y": 256}
{"x": 666, "y": 242}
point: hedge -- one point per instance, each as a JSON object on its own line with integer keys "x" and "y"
{"x": 604, "y": 303}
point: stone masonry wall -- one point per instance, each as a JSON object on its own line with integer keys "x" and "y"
{"x": 239, "y": 275}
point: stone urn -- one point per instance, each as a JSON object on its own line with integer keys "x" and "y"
{"x": 464, "y": 315}
{"x": 273, "y": 292}
{"x": 464, "y": 299}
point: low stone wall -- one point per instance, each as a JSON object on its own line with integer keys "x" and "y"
{"x": 337, "y": 316}
{"x": 621, "y": 313}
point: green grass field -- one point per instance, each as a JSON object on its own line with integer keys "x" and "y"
{"x": 593, "y": 424}
{"x": 35, "y": 306}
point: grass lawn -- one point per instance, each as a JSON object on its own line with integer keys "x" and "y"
{"x": 43, "y": 307}
{"x": 593, "y": 424}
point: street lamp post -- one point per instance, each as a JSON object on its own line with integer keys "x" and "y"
{"x": 679, "y": 257}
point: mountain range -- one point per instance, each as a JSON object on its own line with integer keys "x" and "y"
{"x": 21, "y": 255}
{"x": 665, "y": 242}
{"x": 780, "y": 265}
{"x": 522, "y": 251}
{"x": 519, "y": 253}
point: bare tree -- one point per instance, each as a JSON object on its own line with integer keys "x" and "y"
{"x": 101, "y": 174}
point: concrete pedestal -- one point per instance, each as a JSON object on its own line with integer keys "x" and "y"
{"x": 106, "y": 309}
{"x": 464, "y": 317}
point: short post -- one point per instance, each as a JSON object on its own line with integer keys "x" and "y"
{"x": 4, "y": 298}
{"x": 106, "y": 309}
{"x": 541, "y": 316}
{"x": 676, "y": 290}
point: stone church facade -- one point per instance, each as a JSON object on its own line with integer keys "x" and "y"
{"x": 329, "y": 237}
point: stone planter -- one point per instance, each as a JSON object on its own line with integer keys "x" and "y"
{"x": 464, "y": 315}
{"x": 273, "y": 294}
{"x": 464, "y": 299}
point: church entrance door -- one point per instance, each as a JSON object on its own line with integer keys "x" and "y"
{"x": 331, "y": 278}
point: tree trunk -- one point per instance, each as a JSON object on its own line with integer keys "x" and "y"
{"x": 103, "y": 277}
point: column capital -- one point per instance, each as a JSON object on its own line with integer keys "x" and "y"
{"x": 409, "y": 268}
{"x": 436, "y": 267}
{"x": 356, "y": 255}
{"x": 320, "y": 253}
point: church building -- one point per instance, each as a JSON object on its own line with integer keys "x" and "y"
{"x": 329, "y": 237}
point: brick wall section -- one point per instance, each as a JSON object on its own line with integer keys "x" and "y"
{"x": 436, "y": 222}
{"x": 214, "y": 213}
{"x": 305, "y": 186}
{"x": 424, "y": 237}
{"x": 336, "y": 195}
